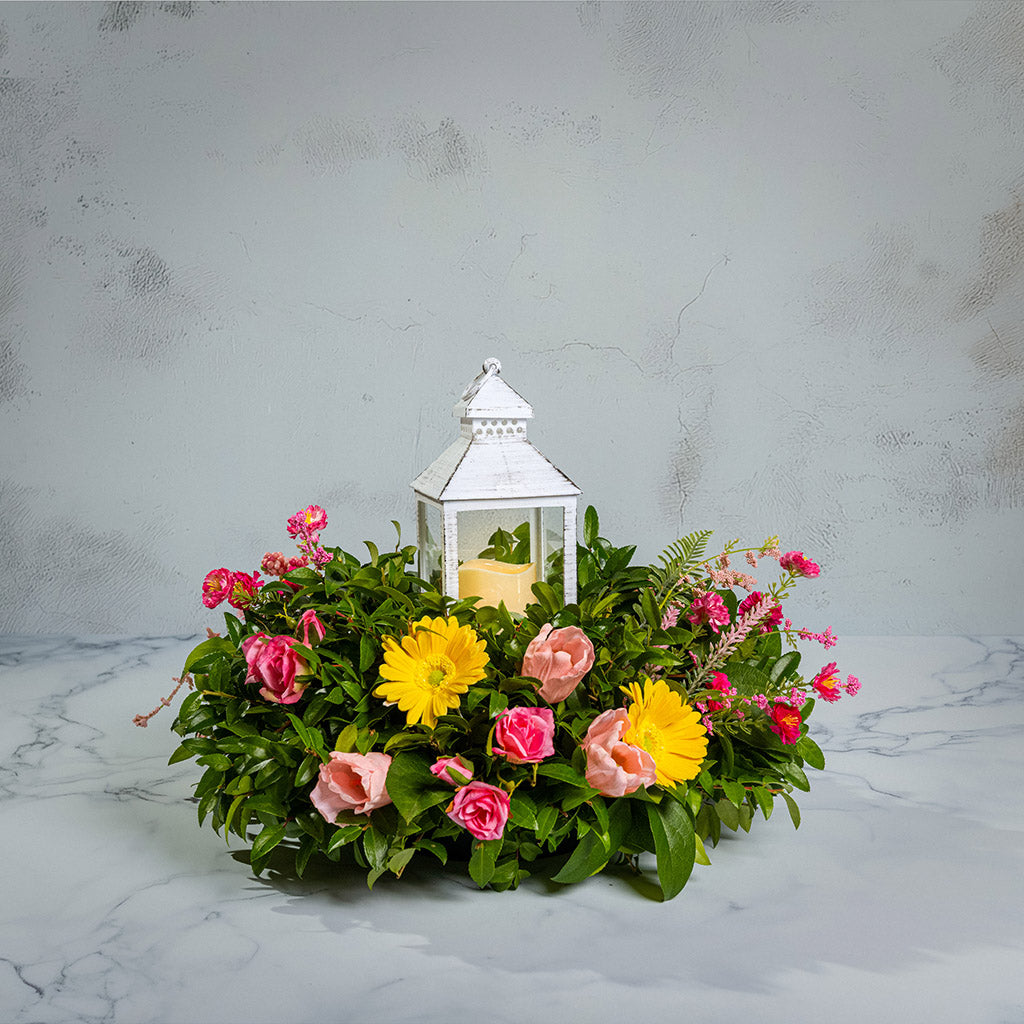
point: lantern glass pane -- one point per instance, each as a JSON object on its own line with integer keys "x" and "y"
{"x": 553, "y": 534}
{"x": 504, "y": 551}
{"x": 428, "y": 531}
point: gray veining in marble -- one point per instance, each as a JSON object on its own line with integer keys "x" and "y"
{"x": 898, "y": 898}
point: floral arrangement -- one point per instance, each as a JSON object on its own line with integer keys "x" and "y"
{"x": 353, "y": 709}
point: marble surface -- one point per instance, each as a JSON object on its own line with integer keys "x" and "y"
{"x": 899, "y": 898}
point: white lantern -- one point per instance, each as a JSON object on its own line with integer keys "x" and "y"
{"x": 493, "y": 515}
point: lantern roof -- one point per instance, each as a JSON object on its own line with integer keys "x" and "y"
{"x": 492, "y": 459}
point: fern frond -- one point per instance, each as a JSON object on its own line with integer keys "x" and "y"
{"x": 676, "y": 560}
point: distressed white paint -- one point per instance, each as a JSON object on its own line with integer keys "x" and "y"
{"x": 760, "y": 267}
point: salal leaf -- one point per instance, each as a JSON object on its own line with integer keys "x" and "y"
{"x": 675, "y": 845}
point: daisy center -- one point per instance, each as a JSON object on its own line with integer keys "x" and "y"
{"x": 436, "y": 670}
{"x": 651, "y": 740}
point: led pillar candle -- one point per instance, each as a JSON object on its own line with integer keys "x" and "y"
{"x": 495, "y": 582}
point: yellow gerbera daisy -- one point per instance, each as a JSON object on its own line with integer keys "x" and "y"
{"x": 669, "y": 730}
{"x": 430, "y": 670}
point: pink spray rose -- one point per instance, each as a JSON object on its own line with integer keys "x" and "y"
{"x": 274, "y": 664}
{"x": 243, "y": 589}
{"x": 216, "y": 587}
{"x": 481, "y": 809}
{"x": 525, "y": 735}
{"x": 559, "y": 658}
{"x": 310, "y": 520}
{"x": 444, "y": 766}
{"x": 615, "y": 768}
{"x": 795, "y": 562}
{"x": 351, "y": 782}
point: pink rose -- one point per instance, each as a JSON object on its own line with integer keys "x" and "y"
{"x": 615, "y": 768}
{"x": 273, "y": 663}
{"x": 481, "y": 809}
{"x": 559, "y": 658}
{"x": 525, "y": 735}
{"x": 351, "y": 782}
{"x": 444, "y": 766}
{"x": 216, "y": 587}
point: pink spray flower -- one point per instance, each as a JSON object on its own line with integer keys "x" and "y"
{"x": 559, "y": 658}
{"x": 826, "y": 683}
{"x": 852, "y": 685}
{"x": 770, "y": 621}
{"x": 794, "y": 562}
{"x": 525, "y": 735}
{"x": 216, "y": 587}
{"x": 615, "y": 768}
{"x": 481, "y": 809}
{"x": 709, "y": 608}
{"x": 785, "y": 722}
{"x": 274, "y": 664}
{"x": 351, "y": 782}
{"x": 243, "y": 589}
{"x": 720, "y": 681}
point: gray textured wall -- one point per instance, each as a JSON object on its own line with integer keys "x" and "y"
{"x": 759, "y": 267}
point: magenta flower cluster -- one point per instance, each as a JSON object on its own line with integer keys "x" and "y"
{"x": 305, "y": 526}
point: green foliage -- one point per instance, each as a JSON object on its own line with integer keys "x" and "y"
{"x": 260, "y": 759}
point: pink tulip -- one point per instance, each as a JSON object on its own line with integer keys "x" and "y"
{"x": 559, "y": 658}
{"x": 615, "y": 768}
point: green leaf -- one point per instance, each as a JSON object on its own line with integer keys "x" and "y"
{"x": 734, "y": 791}
{"x": 375, "y": 846}
{"x": 524, "y": 810}
{"x": 649, "y": 606}
{"x": 701, "y": 856}
{"x": 594, "y": 849}
{"x": 346, "y": 741}
{"x": 562, "y": 772}
{"x": 808, "y": 750}
{"x": 547, "y": 598}
{"x": 266, "y": 841}
{"x": 483, "y": 859}
{"x": 367, "y": 651}
{"x": 412, "y": 787}
{"x": 590, "y": 526}
{"x": 546, "y": 818}
{"x": 728, "y": 813}
{"x": 794, "y": 811}
{"x": 344, "y": 835}
{"x": 674, "y": 845}
{"x": 215, "y": 645}
{"x": 397, "y": 862}
{"x": 785, "y": 666}
{"x": 793, "y": 773}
